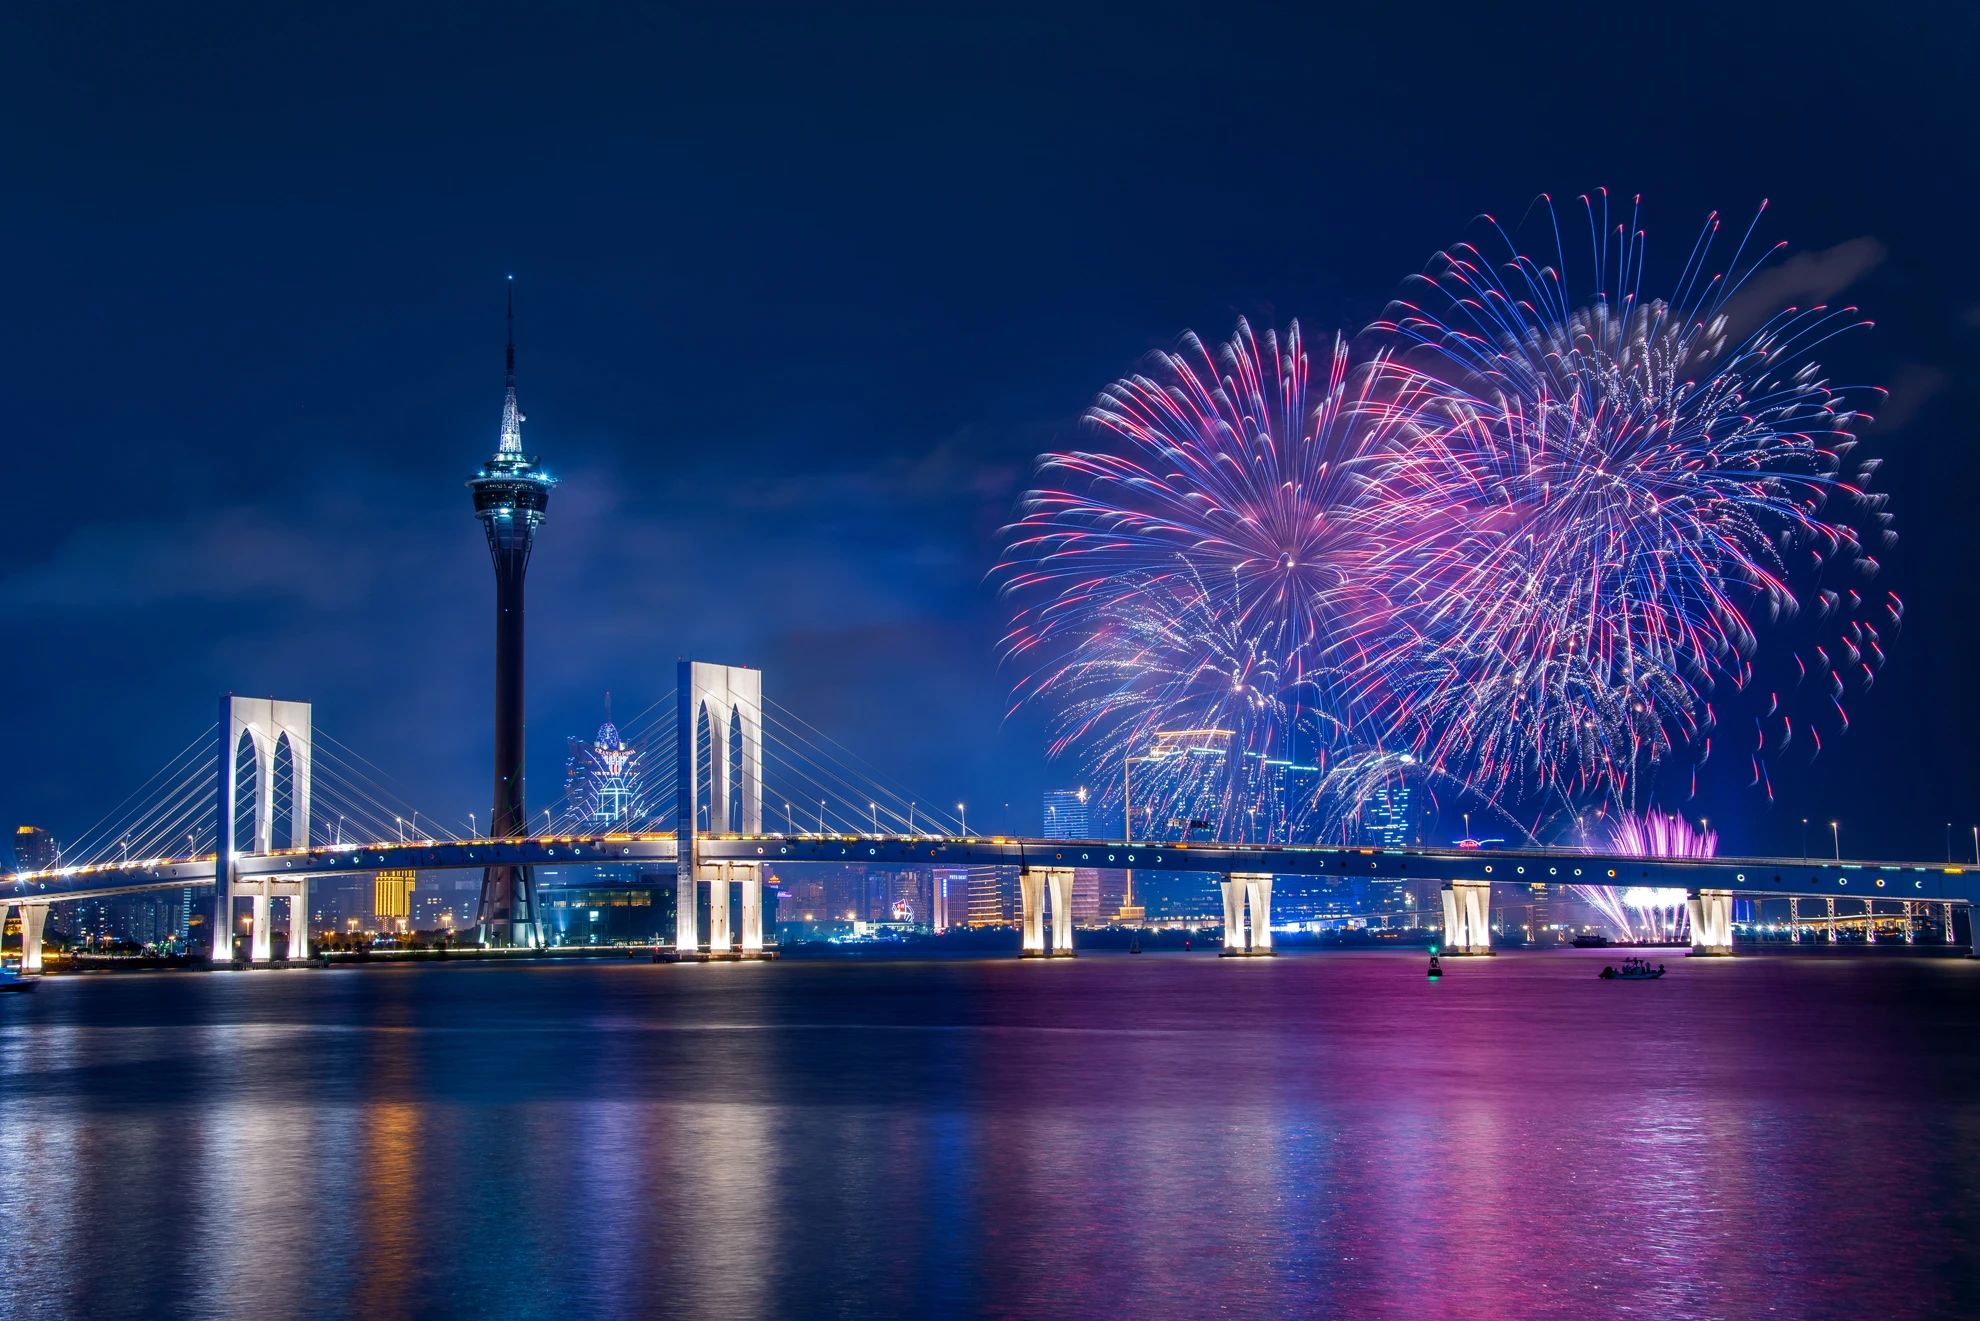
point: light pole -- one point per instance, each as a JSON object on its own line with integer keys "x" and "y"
{"x": 192, "y": 845}
{"x": 962, "y": 815}
{"x": 546, "y": 820}
{"x": 910, "y": 817}
{"x": 400, "y": 822}
{"x": 1804, "y": 839}
{"x": 415, "y": 823}
{"x": 340, "y": 830}
{"x": 1467, "y": 825}
{"x": 873, "y": 809}
{"x": 821, "y": 816}
{"x": 1835, "y": 830}
{"x": 1948, "y": 841}
{"x": 472, "y": 828}
{"x": 790, "y": 821}
{"x": 1976, "y": 846}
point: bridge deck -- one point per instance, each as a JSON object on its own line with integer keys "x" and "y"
{"x": 1758, "y": 876}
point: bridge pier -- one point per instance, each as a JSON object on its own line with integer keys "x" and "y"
{"x": 752, "y": 911}
{"x": 1711, "y": 922}
{"x": 34, "y": 917}
{"x": 1467, "y": 918}
{"x": 719, "y": 940}
{"x": 1035, "y": 886}
{"x": 1247, "y": 933}
{"x": 262, "y": 895}
{"x": 722, "y": 933}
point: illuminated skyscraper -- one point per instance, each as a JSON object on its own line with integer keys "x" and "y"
{"x": 603, "y": 779}
{"x": 510, "y": 495}
{"x": 1067, "y": 815}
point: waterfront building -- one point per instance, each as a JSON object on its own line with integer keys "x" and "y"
{"x": 993, "y": 899}
{"x": 391, "y": 899}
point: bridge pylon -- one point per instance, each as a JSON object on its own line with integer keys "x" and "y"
{"x": 730, "y": 697}
{"x": 261, "y": 725}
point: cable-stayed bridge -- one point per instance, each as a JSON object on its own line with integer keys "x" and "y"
{"x": 264, "y": 801}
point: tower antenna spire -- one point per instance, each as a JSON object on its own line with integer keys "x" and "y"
{"x": 510, "y": 445}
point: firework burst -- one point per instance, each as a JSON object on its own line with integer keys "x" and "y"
{"x": 1604, "y": 501}
{"x": 1198, "y": 573}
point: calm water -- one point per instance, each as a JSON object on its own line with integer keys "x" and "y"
{"x": 1154, "y": 1135}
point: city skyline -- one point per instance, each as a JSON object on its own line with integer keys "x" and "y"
{"x": 856, "y": 567}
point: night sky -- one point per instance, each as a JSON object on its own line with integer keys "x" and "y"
{"x": 800, "y": 295}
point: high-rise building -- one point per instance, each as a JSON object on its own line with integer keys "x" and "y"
{"x": 35, "y": 849}
{"x": 603, "y": 780}
{"x": 1067, "y": 815}
{"x": 391, "y": 898}
{"x": 1386, "y": 822}
{"x": 511, "y": 493}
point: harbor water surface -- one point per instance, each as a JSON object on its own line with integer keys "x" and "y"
{"x": 1134, "y": 1135}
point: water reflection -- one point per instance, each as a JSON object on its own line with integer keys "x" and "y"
{"x": 1323, "y": 1135}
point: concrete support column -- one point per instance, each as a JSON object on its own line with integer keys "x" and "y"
{"x": 687, "y": 922}
{"x": 33, "y": 918}
{"x": 752, "y": 909}
{"x": 1031, "y": 912}
{"x": 223, "y": 918}
{"x": 1247, "y": 933}
{"x": 719, "y": 941}
{"x": 1233, "y": 915}
{"x": 261, "y": 938}
{"x": 1711, "y": 922}
{"x": 1467, "y": 917}
{"x": 299, "y": 922}
{"x": 1060, "y": 881}
{"x": 1258, "y": 889}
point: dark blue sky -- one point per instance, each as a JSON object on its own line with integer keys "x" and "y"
{"x": 800, "y": 296}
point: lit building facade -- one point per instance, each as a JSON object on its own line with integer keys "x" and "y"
{"x": 35, "y": 849}
{"x": 603, "y": 779}
{"x": 391, "y": 898}
{"x": 1067, "y": 815}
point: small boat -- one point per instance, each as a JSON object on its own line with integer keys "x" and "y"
{"x": 1632, "y": 970}
{"x": 1592, "y": 941}
{"x": 1436, "y": 968}
{"x": 11, "y": 980}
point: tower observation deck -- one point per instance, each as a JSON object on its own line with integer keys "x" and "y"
{"x": 511, "y": 493}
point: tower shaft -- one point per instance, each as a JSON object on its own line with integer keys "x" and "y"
{"x": 510, "y": 495}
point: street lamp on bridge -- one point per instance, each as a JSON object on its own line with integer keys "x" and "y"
{"x": 962, "y": 815}
{"x": 1835, "y": 831}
